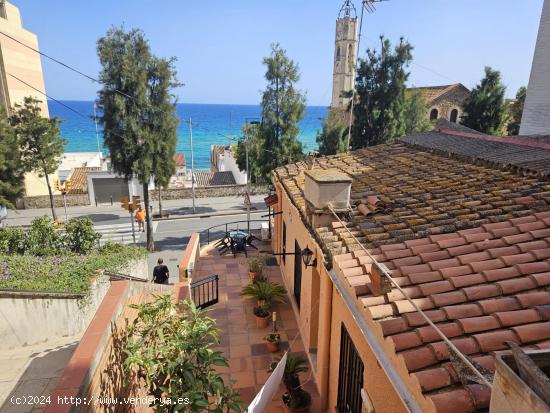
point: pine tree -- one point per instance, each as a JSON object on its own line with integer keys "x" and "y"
{"x": 40, "y": 144}
{"x": 332, "y": 139}
{"x": 137, "y": 109}
{"x": 380, "y": 112}
{"x": 484, "y": 108}
{"x": 164, "y": 122}
{"x": 516, "y": 112}
{"x": 11, "y": 167}
{"x": 283, "y": 106}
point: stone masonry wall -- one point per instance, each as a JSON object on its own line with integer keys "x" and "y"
{"x": 209, "y": 192}
{"x": 31, "y": 202}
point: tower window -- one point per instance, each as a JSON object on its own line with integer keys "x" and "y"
{"x": 454, "y": 115}
{"x": 338, "y": 53}
{"x": 433, "y": 114}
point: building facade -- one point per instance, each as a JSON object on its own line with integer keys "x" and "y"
{"x": 345, "y": 45}
{"x": 443, "y": 102}
{"x": 20, "y": 67}
{"x": 470, "y": 253}
{"x": 536, "y": 113}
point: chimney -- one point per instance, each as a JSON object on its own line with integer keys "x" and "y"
{"x": 324, "y": 187}
{"x": 521, "y": 382}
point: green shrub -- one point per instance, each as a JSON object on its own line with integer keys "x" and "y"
{"x": 80, "y": 236}
{"x": 171, "y": 345}
{"x": 42, "y": 238}
{"x": 12, "y": 240}
{"x": 70, "y": 273}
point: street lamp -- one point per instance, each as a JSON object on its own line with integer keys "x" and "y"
{"x": 306, "y": 254}
{"x": 248, "y": 121}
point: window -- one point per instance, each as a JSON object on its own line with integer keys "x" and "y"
{"x": 338, "y": 53}
{"x": 3, "y": 9}
{"x": 350, "y": 376}
{"x": 454, "y": 115}
{"x": 433, "y": 114}
{"x": 284, "y": 242}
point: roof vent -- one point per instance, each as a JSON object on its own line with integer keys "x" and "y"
{"x": 327, "y": 186}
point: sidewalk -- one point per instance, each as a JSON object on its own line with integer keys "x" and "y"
{"x": 175, "y": 207}
{"x": 32, "y": 371}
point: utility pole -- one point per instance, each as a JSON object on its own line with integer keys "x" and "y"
{"x": 97, "y": 131}
{"x": 192, "y": 162}
{"x": 247, "y": 197}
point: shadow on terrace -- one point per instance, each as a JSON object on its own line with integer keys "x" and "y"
{"x": 242, "y": 341}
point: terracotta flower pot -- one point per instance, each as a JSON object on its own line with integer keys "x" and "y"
{"x": 272, "y": 347}
{"x": 262, "y": 322}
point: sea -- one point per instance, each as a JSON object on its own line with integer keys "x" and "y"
{"x": 211, "y": 124}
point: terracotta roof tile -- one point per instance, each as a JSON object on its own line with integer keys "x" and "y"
{"x": 501, "y": 273}
{"x": 499, "y": 304}
{"x": 533, "y": 332}
{"x": 419, "y": 358}
{"x": 450, "y": 298}
{"x": 428, "y": 334}
{"x": 495, "y": 340}
{"x": 477, "y": 324}
{"x": 455, "y": 271}
{"x": 480, "y": 292}
{"x": 415, "y": 319}
{"x": 406, "y": 340}
{"x": 433, "y": 379}
{"x": 394, "y": 326}
{"x": 533, "y": 267}
{"x": 544, "y": 311}
{"x": 455, "y": 312}
{"x": 516, "y": 239}
{"x": 467, "y": 280}
{"x": 454, "y": 401}
{"x": 513, "y": 318}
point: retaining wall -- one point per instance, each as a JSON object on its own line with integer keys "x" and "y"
{"x": 210, "y": 192}
{"x": 28, "y": 318}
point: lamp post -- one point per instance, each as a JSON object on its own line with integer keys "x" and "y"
{"x": 248, "y": 121}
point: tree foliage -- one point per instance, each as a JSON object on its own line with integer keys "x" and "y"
{"x": 11, "y": 167}
{"x": 41, "y": 147}
{"x": 484, "y": 108}
{"x": 515, "y": 112}
{"x": 382, "y": 111}
{"x": 138, "y": 110}
{"x": 170, "y": 346}
{"x": 283, "y": 106}
{"x": 332, "y": 139}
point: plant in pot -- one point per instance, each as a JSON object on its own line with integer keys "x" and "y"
{"x": 265, "y": 294}
{"x": 255, "y": 267}
{"x": 295, "y": 399}
{"x": 272, "y": 342}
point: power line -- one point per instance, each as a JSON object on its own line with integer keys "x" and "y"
{"x": 49, "y": 97}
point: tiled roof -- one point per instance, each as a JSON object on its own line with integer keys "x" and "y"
{"x": 530, "y": 154}
{"x": 482, "y": 287}
{"x": 79, "y": 180}
{"x": 206, "y": 178}
{"x": 431, "y": 93}
{"x": 179, "y": 158}
{"x": 423, "y": 193}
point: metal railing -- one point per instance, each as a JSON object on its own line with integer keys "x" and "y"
{"x": 117, "y": 276}
{"x": 205, "y": 292}
{"x": 230, "y": 226}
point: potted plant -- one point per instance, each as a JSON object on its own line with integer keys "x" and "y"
{"x": 255, "y": 267}
{"x": 265, "y": 294}
{"x": 295, "y": 399}
{"x": 272, "y": 342}
{"x": 262, "y": 316}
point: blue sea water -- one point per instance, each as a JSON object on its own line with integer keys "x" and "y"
{"x": 212, "y": 124}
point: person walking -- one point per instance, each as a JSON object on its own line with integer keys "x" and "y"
{"x": 140, "y": 219}
{"x": 160, "y": 273}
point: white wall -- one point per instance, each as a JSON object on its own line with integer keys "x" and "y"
{"x": 227, "y": 162}
{"x": 536, "y": 114}
{"x": 27, "y": 319}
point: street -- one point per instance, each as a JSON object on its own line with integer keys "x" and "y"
{"x": 170, "y": 235}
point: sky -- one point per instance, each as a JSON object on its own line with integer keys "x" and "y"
{"x": 220, "y": 44}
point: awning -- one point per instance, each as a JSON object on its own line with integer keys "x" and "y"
{"x": 271, "y": 200}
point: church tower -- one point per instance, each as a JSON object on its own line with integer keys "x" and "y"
{"x": 536, "y": 113}
{"x": 344, "y": 55}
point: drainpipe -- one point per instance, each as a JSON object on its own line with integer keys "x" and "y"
{"x": 325, "y": 318}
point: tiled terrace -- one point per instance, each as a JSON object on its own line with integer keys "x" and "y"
{"x": 241, "y": 341}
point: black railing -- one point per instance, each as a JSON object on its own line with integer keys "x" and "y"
{"x": 221, "y": 229}
{"x": 117, "y": 276}
{"x": 205, "y": 292}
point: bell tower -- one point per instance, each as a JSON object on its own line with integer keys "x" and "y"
{"x": 345, "y": 49}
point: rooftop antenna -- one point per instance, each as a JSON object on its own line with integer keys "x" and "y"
{"x": 370, "y": 7}
{"x": 348, "y": 10}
